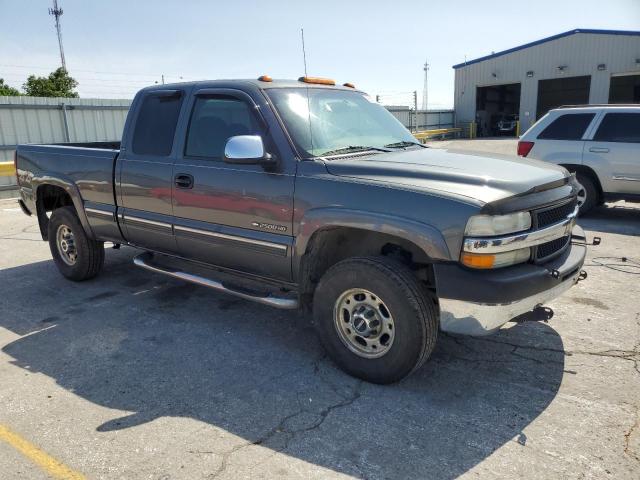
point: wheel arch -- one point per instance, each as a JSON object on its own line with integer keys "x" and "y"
{"x": 585, "y": 170}
{"x": 53, "y": 192}
{"x": 332, "y": 235}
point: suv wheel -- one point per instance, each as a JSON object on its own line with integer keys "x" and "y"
{"x": 375, "y": 319}
{"x": 588, "y": 196}
{"x": 75, "y": 254}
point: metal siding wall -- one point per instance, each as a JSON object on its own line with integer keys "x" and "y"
{"x": 426, "y": 119}
{"x": 580, "y": 52}
{"x": 32, "y": 120}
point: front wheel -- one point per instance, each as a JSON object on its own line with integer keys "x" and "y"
{"x": 76, "y": 255}
{"x": 375, "y": 319}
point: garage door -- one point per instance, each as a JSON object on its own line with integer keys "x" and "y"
{"x": 624, "y": 89}
{"x": 562, "y": 91}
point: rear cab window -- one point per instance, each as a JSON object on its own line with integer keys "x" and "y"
{"x": 570, "y": 126}
{"x": 623, "y": 127}
{"x": 156, "y": 123}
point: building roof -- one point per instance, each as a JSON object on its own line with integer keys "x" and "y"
{"x": 548, "y": 39}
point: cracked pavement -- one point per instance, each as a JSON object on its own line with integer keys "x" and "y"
{"x": 134, "y": 375}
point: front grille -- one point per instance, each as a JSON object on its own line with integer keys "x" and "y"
{"x": 546, "y": 250}
{"x": 548, "y": 216}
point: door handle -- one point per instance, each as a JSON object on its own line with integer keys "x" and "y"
{"x": 183, "y": 180}
{"x": 599, "y": 150}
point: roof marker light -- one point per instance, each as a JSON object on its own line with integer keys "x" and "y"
{"x": 265, "y": 78}
{"x": 350, "y": 85}
{"x": 317, "y": 80}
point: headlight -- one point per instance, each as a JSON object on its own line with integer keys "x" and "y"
{"x": 495, "y": 260}
{"x": 492, "y": 225}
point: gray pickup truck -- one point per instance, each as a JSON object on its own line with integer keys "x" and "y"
{"x": 307, "y": 195}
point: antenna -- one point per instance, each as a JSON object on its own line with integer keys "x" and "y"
{"x": 425, "y": 98}
{"x": 304, "y": 52}
{"x": 57, "y": 13}
{"x": 304, "y": 59}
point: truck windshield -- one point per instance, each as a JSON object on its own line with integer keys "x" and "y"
{"x": 341, "y": 121}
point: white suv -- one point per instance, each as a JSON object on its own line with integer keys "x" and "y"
{"x": 599, "y": 143}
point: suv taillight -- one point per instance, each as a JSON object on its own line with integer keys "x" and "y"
{"x": 524, "y": 148}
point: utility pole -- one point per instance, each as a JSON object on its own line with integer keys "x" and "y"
{"x": 57, "y": 13}
{"x": 425, "y": 104}
{"x": 415, "y": 108}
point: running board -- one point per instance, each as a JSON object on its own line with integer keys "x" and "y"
{"x": 144, "y": 260}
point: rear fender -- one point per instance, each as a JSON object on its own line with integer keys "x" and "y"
{"x": 69, "y": 186}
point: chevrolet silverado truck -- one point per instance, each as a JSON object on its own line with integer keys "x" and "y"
{"x": 307, "y": 195}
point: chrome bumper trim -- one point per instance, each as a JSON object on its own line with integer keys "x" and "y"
{"x": 468, "y": 318}
{"x": 520, "y": 240}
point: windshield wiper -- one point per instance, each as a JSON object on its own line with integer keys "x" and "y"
{"x": 352, "y": 149}
{"x": 403, "y": 144}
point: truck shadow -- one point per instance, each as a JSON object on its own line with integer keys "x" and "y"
{"x": 142, "y": 343}
{"x": 620, "y": 217}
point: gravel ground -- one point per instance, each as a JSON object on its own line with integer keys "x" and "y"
{"x": 134, "y": 375}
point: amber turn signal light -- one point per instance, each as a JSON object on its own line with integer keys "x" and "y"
{"x": 477, "y": 260}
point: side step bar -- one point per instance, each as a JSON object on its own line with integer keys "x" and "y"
{"x": 144, "y": 260}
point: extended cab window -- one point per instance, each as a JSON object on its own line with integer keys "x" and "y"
{"x": 570, "y": 126}
{"x": 156, "y": 124}
{"x": 213, "y": 121}
{"x": 619, "y": 127}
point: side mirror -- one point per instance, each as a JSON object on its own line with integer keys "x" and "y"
{"x": 247, "y": 150}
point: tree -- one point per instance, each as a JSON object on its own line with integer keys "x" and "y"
{"x": 57, "y": 84}
{"x": 6, "y": 90}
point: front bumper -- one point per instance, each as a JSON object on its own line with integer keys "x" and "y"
{"x": 480, "y": 302}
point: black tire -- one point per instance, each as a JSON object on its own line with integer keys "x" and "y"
{"x": 591, "y": 191}
{"x": 89, "y": 254}
{"x": 412, "y": 308}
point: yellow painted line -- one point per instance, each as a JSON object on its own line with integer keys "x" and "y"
{"x": 7, "y": 169}
{"x": 53, "y": 467}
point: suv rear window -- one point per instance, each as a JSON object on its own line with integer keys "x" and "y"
{"x": 619, "y": 127}
{"x": 570, "y": 126}
{"x": 156, "y": 124}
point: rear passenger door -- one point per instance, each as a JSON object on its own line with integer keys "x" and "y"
{"x": 145, "y": 171}
{"x": 561, "y": 142}
{"x": 232, "y": 215}
{"x": 614, "y": 152}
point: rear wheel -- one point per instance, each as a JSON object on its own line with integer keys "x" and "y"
{"x": 76, "y": 255}
{"x": 375, "y": 319}
{"x": 588, "y": 196}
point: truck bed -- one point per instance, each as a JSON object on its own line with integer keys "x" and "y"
{"x": 88, "y": 166}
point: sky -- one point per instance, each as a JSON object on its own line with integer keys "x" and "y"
{"x": 115, "y": 47}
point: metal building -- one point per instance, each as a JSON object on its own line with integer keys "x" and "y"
{"x": 575, "y": 67}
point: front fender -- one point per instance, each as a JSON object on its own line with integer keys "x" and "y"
{"x": 426, "y": 237}
{"x": 69, "y": 186}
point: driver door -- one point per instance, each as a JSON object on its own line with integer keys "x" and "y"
{"x": 233, "y": 216}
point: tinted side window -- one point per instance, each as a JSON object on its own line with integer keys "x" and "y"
{"x": 213, "y": 121}
{"x": 156, "y": 125}
{"x": 570, "y": 126}
{"x": 619, "y": 127}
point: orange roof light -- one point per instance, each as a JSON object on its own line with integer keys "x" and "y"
{"x": 265, "y": 78}
{"x": 350, "y": 85}
{"x": 318, "y": 80}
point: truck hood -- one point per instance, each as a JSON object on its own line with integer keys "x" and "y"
{"x": 482, "y": 177}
